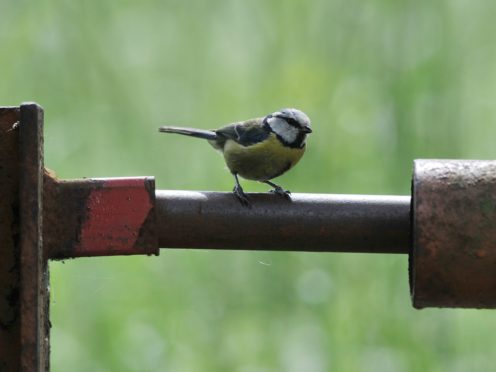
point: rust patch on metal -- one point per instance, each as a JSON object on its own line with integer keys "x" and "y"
{"x": 64, "y": 212}
{"x": 9, "y": 242}
{"x": 454, "y": 228}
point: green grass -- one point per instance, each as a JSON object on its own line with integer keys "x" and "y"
{"x": 384, "y": 82}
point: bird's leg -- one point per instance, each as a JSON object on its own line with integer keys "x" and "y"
{"x": 239, "y": 193}
{"x": 279, "y": 190}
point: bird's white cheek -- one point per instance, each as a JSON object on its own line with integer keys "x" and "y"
{"x": 289, "y": 134}
{"x": 283, "y": 129}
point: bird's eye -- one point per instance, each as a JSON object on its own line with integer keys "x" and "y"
{"x": 293, "y": 122}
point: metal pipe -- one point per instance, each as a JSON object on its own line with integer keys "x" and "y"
{"x": 309, "y": 222}
{"x": 453, "y": 257}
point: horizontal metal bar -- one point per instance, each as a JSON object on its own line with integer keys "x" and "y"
{"x": 309, "y": 222}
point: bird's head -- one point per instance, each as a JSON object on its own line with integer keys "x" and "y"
{"x": 290, "y": 125}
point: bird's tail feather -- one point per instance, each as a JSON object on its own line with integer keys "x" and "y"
{"x": 199, "y": 133}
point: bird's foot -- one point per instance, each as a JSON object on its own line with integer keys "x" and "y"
{"x": 241, "y": 196}
{"x": 278, "y": 190}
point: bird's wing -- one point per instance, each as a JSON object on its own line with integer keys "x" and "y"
{"x": 245, "y": 133}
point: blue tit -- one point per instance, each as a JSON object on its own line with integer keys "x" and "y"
{"x": 258, "y": 149}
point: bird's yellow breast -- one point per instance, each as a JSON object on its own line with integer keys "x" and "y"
{"x": 262, "y": 161}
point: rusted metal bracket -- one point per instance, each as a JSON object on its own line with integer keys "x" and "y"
{"x": 44, "y": 218}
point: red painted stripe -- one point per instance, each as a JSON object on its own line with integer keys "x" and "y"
{"x": 114, "y": 216}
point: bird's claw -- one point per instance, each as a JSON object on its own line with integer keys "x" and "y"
{"x": 286, "y": 194}
{"x": 241, "y": 196}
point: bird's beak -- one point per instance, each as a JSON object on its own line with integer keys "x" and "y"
{"x": 307, "y": 129}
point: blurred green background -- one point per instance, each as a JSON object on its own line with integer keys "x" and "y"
{"x": 383, "y": 81}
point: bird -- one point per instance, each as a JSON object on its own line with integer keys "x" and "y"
{"x": 257, "y": 149}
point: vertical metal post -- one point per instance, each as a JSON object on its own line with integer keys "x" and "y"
{"x": 10, "y": 347}
{"x": 33, "y": 267}
{"x": 23, "y": 270}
